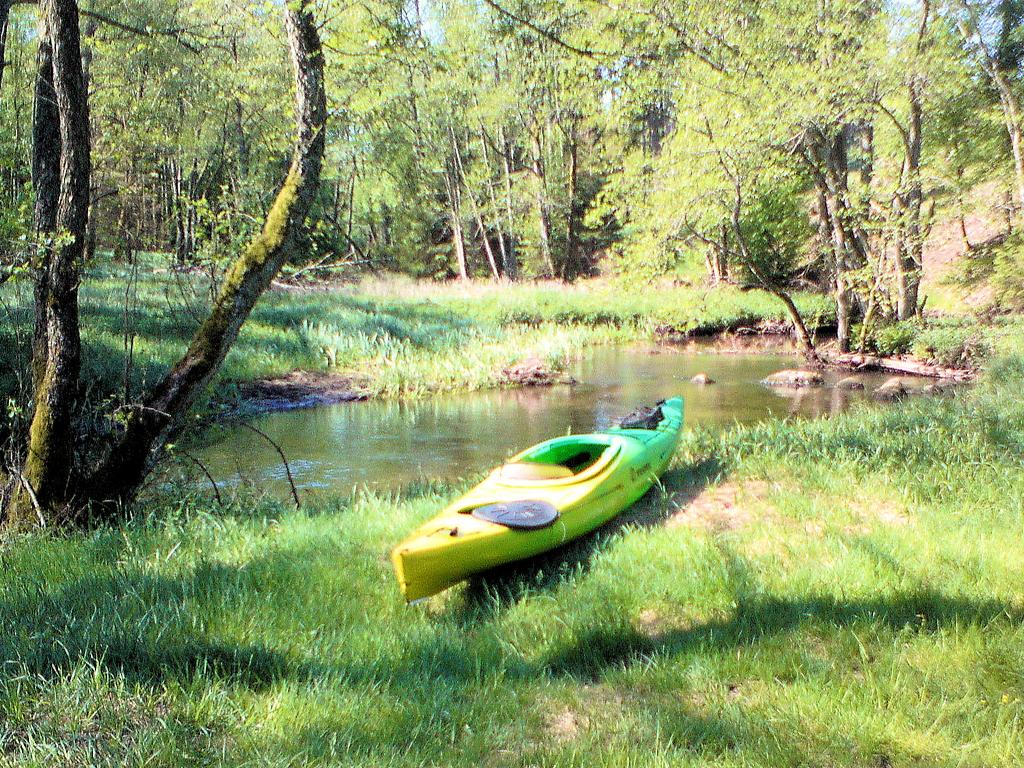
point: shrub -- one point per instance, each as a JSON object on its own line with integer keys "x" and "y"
{"x": 894, "y": 339}
{"x": 959, "y": 347}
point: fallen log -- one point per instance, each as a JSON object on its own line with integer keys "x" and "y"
{"x": 859, "y": 362}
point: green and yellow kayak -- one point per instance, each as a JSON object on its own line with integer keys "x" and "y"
{"x": 540, "y": 499}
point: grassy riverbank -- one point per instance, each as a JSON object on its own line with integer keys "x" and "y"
{"x": 844, "y": 592}
{"x": 393, "y": 337}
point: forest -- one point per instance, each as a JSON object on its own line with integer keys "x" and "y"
{"x": 380, "y": 246}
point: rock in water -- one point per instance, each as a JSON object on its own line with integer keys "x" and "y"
{"x": 893, "y": 389}
{"x": 939, "y": 388}
{"x": 643, "y": 417}
{"x": 702, "y": 379}
{"x": 794, "y": 377}
{"x": 850, "y": 382}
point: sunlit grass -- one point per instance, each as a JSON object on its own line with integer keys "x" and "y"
{"x": 857, "y": 602}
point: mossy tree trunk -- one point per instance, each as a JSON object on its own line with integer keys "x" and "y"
{"x": 118, "y": 478}
{"x": 46, "y": 483}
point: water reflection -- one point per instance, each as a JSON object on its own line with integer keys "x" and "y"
{"x": 388, "y": 444}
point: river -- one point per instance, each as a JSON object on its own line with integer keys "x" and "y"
{"x": 388, "y": 444}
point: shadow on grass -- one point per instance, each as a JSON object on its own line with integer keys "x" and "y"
{"x": 148, "y": 628}
{"x": 763, "y": 617}
{"x": 502, "y": 587}
{"x": 191, "y": 626}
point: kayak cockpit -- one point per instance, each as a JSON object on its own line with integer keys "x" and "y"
{"x": 561, "y": 461}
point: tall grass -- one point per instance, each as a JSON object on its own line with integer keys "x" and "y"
{"x": 396, "y": 337}
{"x": 845, "y": 592}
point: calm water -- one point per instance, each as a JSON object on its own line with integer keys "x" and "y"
{"x": 389, "y": 444}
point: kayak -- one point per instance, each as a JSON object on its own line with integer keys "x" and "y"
{"x": 538, "y": 500}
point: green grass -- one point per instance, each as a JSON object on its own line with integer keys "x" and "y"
{"x": 844, "y": 592}
{"x": 395, "y": 336}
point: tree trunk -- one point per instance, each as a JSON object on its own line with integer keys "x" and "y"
{"x": 452, "y": 187}
{"x": 709, "y": 262}
{"x": 512, "y": 265}
{"x": 859, "y": 362}
{"x": 826, "y": 157}
{"x": 488, "y": 250}
{"x": 843, "y": 296}
{"x": 961, "y": 215}
{"x": 1012, "y": 116}
{"x": 799, "y": 326}
{"x": 5, "y": 14}
{"x": 720, "y": 258}
{"x": 572, "y": 263}
{"x": 841, "y": 263}
{"x": 350, "y": 221}
{"x": 46, "y": 185}
{"x": 543, "y": 213}
{"x": 909, "y": 262}
{"x": 185, "y": 247}
{"x": 1013, "y": 127}
{"x": 184, "y": 192}
{"x": 867, "y": 148}
{"x": 503, "y": 246}
{"x": 47, "y": 474}
{"x": 477, "y": 215}
{"x": 117, "y": 479}
{"x": 178, "y": 212}
{"x": 909, "y": 266}
{"x": 459, "y": 242}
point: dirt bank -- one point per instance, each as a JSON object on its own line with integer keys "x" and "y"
{"x": 298, "y": 389}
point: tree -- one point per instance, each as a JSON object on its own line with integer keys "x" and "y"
{"x": 48, "y": 490}
{"x": 1001, "y": 71}
{"x": 46, "y": 478}
{"x": 117, "y": 479}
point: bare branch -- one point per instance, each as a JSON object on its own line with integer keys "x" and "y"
{"x": 213, "y": 483}
{"x": 284, "y": 460}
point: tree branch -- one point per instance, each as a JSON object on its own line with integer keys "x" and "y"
{"x": 131, "y": 28}
{"x": 284, "y": 460}
{"x": 545, "y": 33}
{"x": 175, "y": 34}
